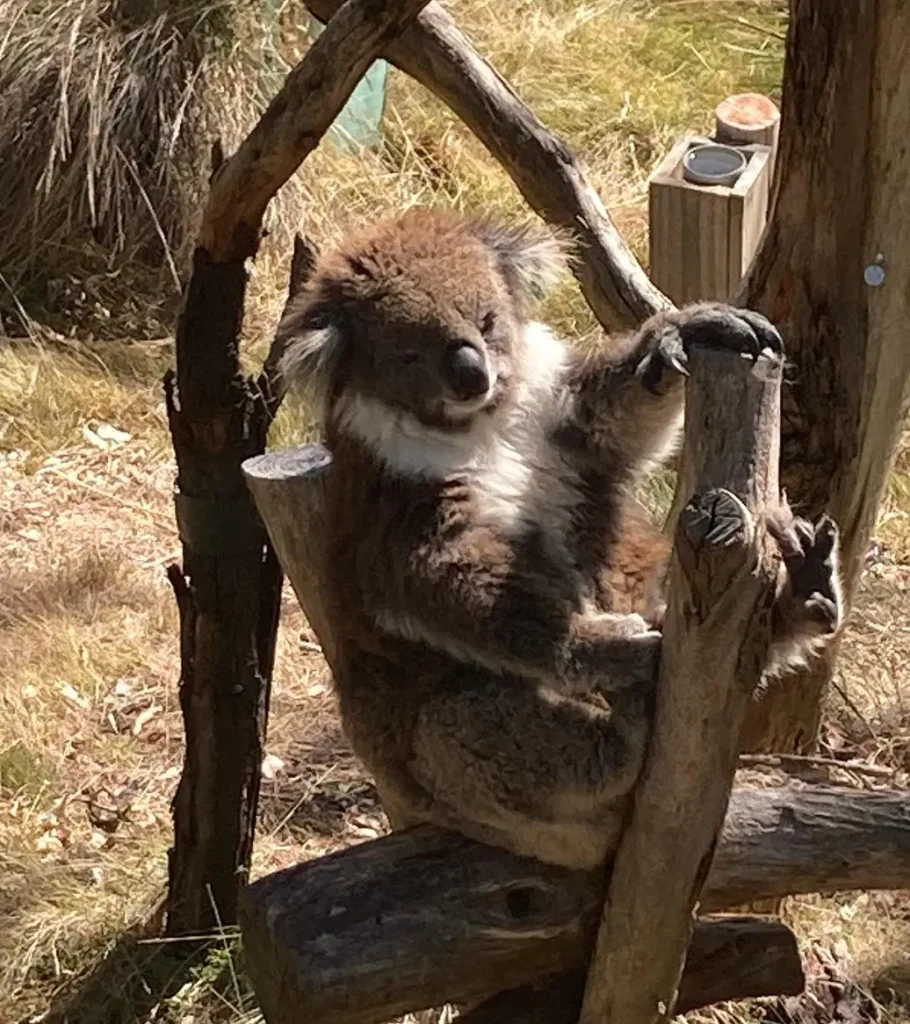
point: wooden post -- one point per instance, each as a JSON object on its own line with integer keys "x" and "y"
{"x": 833, "y": 273}
{"x": 716, "y": 636}
{"x": 702, "y": 238}
{"x": 228, "y": 588}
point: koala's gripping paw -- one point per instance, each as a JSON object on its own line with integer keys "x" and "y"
{"x": 812, "y": 591}
{"x": 715, "y": 325}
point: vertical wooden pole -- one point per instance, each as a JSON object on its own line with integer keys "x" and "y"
{"x": 228, "y": 587}
{"x": 716, "y": 635}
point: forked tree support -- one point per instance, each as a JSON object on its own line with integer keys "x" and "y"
{"x": 425, "y": 917}
{"x": 548, "y": 174}
{"x": 717, "y": 633}
{"x": 228, "y": 588}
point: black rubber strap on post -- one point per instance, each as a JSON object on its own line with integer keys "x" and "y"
{"x": 219, "y": 527}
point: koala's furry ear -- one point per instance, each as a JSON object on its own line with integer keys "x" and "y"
{"x": 313, "y": 348}
{"x": 530, "y": 256}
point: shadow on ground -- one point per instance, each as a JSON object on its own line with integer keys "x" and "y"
{"x": 140, "y": 980}
{"x": 891, "y": 986}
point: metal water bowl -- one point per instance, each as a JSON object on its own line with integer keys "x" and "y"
{"x": 713, "y": 164}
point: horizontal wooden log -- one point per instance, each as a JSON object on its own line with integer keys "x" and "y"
{"x": 422, "y": 917}
{"x": 546, "y": 172}
{"x": 729, "y": 958}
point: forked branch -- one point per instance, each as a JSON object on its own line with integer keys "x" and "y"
{"x": 716, "y": 636}
{"x": 547, "y": 173}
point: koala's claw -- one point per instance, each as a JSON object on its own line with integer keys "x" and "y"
{"x": 715, "y": 325}
{"x": 810, "y": 554}
{"x": 823, "y": 611}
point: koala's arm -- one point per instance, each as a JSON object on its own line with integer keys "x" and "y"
{"x": 628, "y": 403}
{"x": 470, "y": 598}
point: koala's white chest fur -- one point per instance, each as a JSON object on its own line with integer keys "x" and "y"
{"x": 519, "y": 481}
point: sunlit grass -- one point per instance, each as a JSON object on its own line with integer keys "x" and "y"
{"x": 88, "y": 644}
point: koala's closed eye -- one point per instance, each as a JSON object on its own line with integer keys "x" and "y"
{"x": 487, "y": 323}
{"x": 409, "y": 358}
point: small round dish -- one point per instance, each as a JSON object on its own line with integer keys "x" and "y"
{"x": 713, "y": 164}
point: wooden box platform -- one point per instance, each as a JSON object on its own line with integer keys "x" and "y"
{"x": 703, "y": 238}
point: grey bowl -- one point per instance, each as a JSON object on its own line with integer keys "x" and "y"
{"x": 713, "y": 164}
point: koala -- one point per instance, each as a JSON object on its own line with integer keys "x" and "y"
{"x": 494, "y": 590}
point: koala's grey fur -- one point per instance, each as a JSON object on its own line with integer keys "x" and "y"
{"x": 495, "y": 589}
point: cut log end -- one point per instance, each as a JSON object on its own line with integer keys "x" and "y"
{"x": 309, "y": 461}
{"x": 746, "y": 118}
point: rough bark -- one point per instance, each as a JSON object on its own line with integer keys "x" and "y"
{"x": 294, "y": 122}
{"x": 422, "y": 917}
{"x": 842, "y": 206}
{"x": 546, "y": 172}
{"x": 731, "y": 958}
{"x": 716, "y": 636}
{"x": 228, "y": 589}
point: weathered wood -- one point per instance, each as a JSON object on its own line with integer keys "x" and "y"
{"x": 702, "y": 239}
{"x": 421, "y": 917}
{"x": 229, "y": 586}
{"x": 716, "y": 635}
{"x": 842, "y": 199}
{"x": 729, "y": 958}
{"x": 747, "y": 117}
{"x": 546, "y": 172}
{"x": 294, "y": 122}
{"x": 289, "y": 490}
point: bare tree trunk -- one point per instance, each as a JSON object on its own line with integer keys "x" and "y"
{"x": 834, "y": 273}
{"x": 722, "y": 581}
{"x": 228, "y": 589}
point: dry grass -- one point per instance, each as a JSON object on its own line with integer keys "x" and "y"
{"x": 90, "y": 737}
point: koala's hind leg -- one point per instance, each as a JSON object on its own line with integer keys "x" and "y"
{"x": 809, "y": 606}
{"x": 529, "y": 769}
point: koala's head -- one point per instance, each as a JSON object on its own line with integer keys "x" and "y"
{"x": 423, "y": 312}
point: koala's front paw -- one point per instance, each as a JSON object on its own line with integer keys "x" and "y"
{"x": 714, "y": 324}
{"x": 812, "y": 594}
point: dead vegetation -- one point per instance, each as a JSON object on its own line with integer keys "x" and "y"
{"x": 90, "y": 734}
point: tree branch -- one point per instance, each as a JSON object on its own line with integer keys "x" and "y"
{"x": 546, "y": 172}
{"x": 716, "y": 635}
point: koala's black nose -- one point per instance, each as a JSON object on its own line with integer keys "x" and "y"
{"x": 466, "y": 371}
